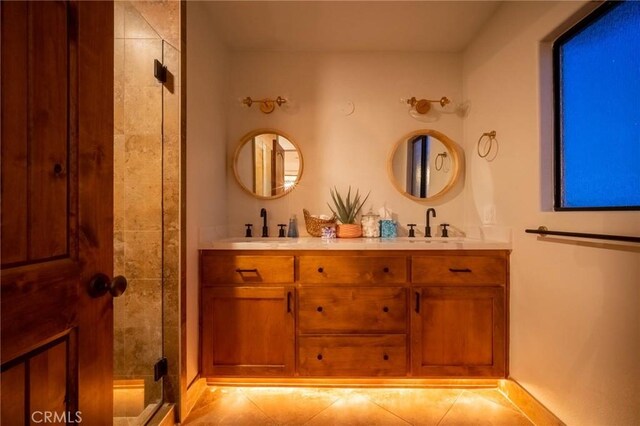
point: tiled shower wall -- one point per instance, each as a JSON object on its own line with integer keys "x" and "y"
{"x": 146, "y": 192}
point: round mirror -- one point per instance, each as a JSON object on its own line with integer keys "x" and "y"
{"x": 267, "y": 163}
{"x": 424, "y": 165}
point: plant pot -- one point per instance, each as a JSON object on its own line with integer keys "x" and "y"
{"x": 349, "y": 230}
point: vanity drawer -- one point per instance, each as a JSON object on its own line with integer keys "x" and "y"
{"x": 381, "y": 355}
{"x": 245, "y": 269}
{"x": 352, "y": 310}
{"x": 477, "y": 270}
{"x": 353, "y": 269}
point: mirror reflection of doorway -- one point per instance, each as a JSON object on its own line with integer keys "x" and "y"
{"x": 275, "y": 164}
{"x": 419, "y": 171}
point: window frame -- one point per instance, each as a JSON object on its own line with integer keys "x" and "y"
{"x": 576, "y": 29}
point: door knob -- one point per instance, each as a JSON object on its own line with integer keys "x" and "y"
{"x": 100, "y": 285}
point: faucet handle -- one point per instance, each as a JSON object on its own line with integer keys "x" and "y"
{"x": 445, "y": 232}
{"x": 247, "y": 233}
{"x": 412, "y": 233}
{"x": 281, "y": 232}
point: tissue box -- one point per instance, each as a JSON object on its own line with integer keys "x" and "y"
{"x": 388, "y": 228}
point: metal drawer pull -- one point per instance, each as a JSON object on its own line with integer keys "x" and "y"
{"x": 321, "y": 269}
{"x": 459, "y": 270}
{"x": 417, "y": 302}
{"x": 319, "y": 309}
{"x": 243, "y": 271}
{"x": 288, "y": 301}
{"x": 385, "y": 309}
{"x": 319, "y": 357}
{"x": 386, "y": 269}
{"x": 385, "y": 357}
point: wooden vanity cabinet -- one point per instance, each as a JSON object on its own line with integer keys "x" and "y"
{"x": 352, "y": 315}
{"x": 248, "y": 317}
{"x": 459, "y": 316}
{"x": 366, "y": 313}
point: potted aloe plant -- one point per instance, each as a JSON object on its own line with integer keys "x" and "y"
{"x": 346, "y": 210}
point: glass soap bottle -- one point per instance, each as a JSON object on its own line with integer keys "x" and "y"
{"x": 293, "y": 227}
{"x": 370, "y": 225}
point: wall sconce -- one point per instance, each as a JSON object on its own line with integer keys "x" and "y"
{"x": 266, "y": 105}
{"x": 422, "y": 106}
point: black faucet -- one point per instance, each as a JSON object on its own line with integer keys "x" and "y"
{"x": 427, "y": 230}
{"x": 265, "y": 228}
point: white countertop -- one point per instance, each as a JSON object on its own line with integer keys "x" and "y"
{"x": 401, "y": 243}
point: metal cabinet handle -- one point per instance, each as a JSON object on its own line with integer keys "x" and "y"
{"x": 386, "y": 269}
{"x": 417, "y": 302}
{"x": 385, "y": 309}
{"x": 321, "y": 269}
{"x": 288, "y": 302}
{"x": 319, "y": 309}
{"x": 459, "y": 270}
{"x": 385, "y": 357}
{"x": 319, "y": 357}
{"x": 242, "y": 271}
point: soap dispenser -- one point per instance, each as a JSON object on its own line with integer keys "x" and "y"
{"x": 293, "y": 227}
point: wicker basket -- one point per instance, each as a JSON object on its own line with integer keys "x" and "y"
{"x": 314, "y": 225}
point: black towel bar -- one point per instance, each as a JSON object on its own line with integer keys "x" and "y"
{"x": 542, "y": 230}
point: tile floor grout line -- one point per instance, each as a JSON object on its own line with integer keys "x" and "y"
{"x": 321, "y": 411}
{"x": 517, "y": 408}
{"x": 389, "y": 411}
{"x": 452, "y": 404}
{"x": 256, "y": 405}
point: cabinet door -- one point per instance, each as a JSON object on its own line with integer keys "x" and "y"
{"x": 458, "y": 331}
{"x": 248, "y": 331}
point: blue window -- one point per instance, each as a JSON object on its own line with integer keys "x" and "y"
{"x": 597, "y": 107}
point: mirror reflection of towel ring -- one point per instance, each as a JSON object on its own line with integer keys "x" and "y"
{"x": 487, "y": 146}
{"x": 440, "y": 162}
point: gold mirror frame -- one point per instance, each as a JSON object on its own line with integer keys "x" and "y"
{"x": 456, "y": 165}
{"x": 247, "y": 138}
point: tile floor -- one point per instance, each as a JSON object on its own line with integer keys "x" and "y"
{"x": 362, "y": 406}
{"x": 128, "y": 406}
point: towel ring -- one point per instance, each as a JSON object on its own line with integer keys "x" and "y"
{"x": 488, "y": 145}
{"x": 440, "y": 159}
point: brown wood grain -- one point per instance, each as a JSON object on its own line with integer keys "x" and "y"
{"x": 247, "y": 330}
{"x": 459, "y": 331}
{"x": 349, "y": 269}
{"x": 455, "y": 269}
{"x": 69, "y": 213}
{"x": 14, "y": 109}
{"x": 95, "y": 205}
{"x": 48, "y": 380}
{"x": 352, "y": 310}
{"x": 48, "y": 84}
{"x": 347, "y": 355}
{"x": 12, "y": 408}
{"x": 240, "y": 269}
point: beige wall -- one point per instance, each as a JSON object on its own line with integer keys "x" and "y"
{"x": 575, "y": 307}
{"x": 206, "y": 188}
{"x": 339, "y": 149}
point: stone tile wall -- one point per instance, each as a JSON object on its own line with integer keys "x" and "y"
{"x": 146, "y": 190}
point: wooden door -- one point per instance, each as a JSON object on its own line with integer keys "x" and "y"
{"x": 277, "y": 168}
{"x": 57, "y": 204}
{"x": 248, "y": 331}
{"x": 458, "y": 331}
